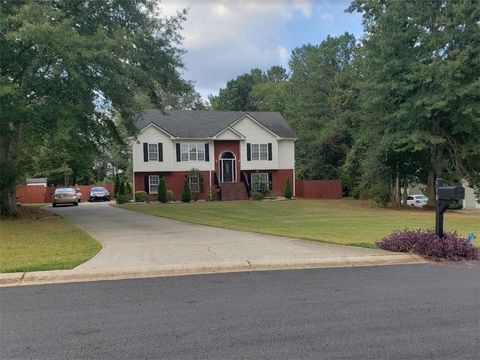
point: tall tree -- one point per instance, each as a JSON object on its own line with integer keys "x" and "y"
{"x": 421, "y": 83}
{"x": 236, "y": 96}
{"x": 321, "y": 105}
{"x": 74, "y": 62}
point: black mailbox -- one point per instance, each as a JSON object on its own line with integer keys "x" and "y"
{"x": 451, "y": 192}
{"x": 446, "y": 196}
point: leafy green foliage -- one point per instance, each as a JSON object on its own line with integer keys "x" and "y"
{"x": 170, "y": 195}
{"x": 162, "y": 190}
{"x": 288, "y": 189}
{"x": 141, "y": 196}
{"x": 116, "y": 185}
{"x": 186, "y": 192}
{"x": 70, "y": 72}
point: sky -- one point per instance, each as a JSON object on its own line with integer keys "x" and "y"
{"x": 226, "y": 38}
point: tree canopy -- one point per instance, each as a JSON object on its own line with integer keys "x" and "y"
{"x": 399, "y": 106}
{"x": 67, "y": 66}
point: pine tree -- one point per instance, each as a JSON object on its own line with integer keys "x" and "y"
{"x": 288, "y": 189}
{"x": 162, "y": 191}
{"x": 186, "y": 192}
{"x": 116, "y": 186}
{"x": 121, "y": 188}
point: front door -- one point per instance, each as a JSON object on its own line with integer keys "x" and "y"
{"x": 228, "y": 168}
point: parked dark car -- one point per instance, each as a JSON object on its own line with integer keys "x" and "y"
{"x": 99, "y": 193}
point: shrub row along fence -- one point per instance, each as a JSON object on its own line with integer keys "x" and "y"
{"x": 30, "y": 194}
{"x": 318, "y": 189}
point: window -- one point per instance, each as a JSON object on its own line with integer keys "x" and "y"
{"x": 194, "y": 183}
{"x": 255, "y": 152}
{"x": 263, "y": 152}
{"x": 184, "y": 152}
{"x": 153, "y": 181}
{"x": 192, "y": 152}
{"x": 152, "y": 152}
{"x": 259, "y": 151}
{"x": 259, "y": 181}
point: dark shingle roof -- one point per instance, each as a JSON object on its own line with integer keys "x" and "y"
{"x": 203, "y": 124}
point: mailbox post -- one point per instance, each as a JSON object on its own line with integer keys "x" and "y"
{"x": 446, "y": 196}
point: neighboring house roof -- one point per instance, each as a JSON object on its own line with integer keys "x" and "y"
{"x": 36, "y": 180}
{"x": 197, "y": 124}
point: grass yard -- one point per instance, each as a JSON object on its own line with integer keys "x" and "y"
{"x": 40, "y": 240}
{"x": 345, "y": 221}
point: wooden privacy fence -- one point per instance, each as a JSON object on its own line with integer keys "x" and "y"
{"x": 318, "y": 189}
{"x": 30, "y": 194}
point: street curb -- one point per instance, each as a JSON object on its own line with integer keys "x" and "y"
{"x": 67, "y": 276}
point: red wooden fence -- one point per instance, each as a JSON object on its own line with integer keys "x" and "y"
{"x": 318, "y": 189}
{"x": 28, "y": 194}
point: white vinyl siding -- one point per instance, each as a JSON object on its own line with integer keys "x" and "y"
{"x": 152, "y": 152}
{"x": 257, "y": 179}
{"x": 153, "y": 181}
{"x": 152, "y": 135}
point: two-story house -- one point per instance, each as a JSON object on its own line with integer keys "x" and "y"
{"x": 234, "y": 152}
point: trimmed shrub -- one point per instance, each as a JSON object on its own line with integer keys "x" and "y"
{"x": 122, "y": 198}
{"x": 288, "y": 189}
{"x": 257, "y": 195}
{"x": 186, "y": 192}
{"x": 170, "y": 195}
{"x": 128, "y": 188}
{"x": 141, "y": 196}
{"x": 116, "y": 185}
{"x": 426, "y": 243}
{"x": 121, "y": 188}
{"x": 162, "y": 191}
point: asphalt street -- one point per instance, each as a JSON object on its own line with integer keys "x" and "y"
{"x": 426, "y": 311}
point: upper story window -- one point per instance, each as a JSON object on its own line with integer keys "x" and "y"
{"x": 192, "y": 152}
{"x": 152, "y": 152}
{"x": 259, "y": 151}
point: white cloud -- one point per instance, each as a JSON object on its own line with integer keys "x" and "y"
{"x": 225, "y": 38}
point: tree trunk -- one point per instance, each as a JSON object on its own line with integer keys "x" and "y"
{"x": 397, "y": 190}
{"x": 431, "y": 188}
{"x": 405, "y": 192}
{"x": 9, "y": 149}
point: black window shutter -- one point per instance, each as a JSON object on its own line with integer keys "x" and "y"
{"x": 145, "y": 151}
{"x": 207, "y": 153}
{"x": 270, "y": 181}
{"x": 160, "y": 152}
{"x": 249, "y": 152}
{"x": 269, "y": 151}
{"x": 178, "y": 153}
{"x": 147, "y": 185}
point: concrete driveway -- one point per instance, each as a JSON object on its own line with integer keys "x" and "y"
{"x": 136, "y": 240}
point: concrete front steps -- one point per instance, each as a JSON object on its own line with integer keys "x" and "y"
{"x": 233, "y": 191}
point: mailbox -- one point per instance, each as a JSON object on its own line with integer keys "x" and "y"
{"x": 451, "y": 192}
{"x": 446, "y": 196}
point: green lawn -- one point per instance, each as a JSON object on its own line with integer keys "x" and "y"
{"x": 40, "y": 240}
{"x": 343, "y": 221}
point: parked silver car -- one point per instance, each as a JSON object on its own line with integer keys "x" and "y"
{"x": 417, "y": 200}
{"x": 65, "y": 196}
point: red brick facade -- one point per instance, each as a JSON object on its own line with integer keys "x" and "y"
{"x": 227, "y": 145}
{"x": 279, "y": 178}
{"x": 174, "y": 181}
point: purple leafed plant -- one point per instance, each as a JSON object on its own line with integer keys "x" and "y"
{"x": 426, "y": 243}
